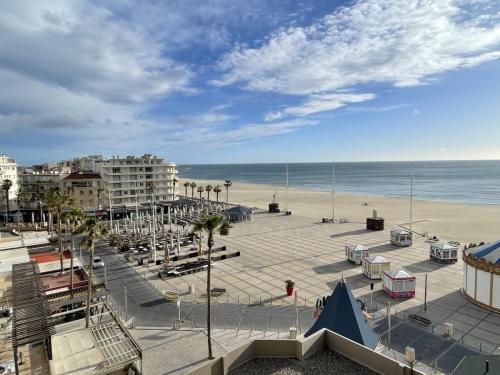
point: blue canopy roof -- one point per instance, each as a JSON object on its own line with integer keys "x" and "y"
{"x": 343, "y": 315}
{"x": 489, "y": 252}
{"x": 239, "y": 210}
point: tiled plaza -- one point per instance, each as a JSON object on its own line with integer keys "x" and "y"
{"x": 275, "y": 248}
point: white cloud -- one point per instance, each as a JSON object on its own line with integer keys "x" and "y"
{"x": 377, "y": 109}
{"x": 400, "y": 42}
{"x": 214, "y": 137}
{"x": 84, "y": 49}
{"x": 326, "y": 102}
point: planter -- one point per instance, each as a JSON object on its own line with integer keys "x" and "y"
{"x": 289, "y": 292}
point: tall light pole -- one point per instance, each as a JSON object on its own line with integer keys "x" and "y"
{"x": 411, "y": 206}
{"x": 286, "y": 190}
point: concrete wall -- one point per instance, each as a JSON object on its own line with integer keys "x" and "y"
{"x": 302, "y": 349}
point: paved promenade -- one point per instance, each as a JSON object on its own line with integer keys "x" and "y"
{"x": 275, "y": 248}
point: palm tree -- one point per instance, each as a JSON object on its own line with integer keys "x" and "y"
{"x": 151, "y": 189}
{"x": 57, "y": 203}
{"x": 99, "y": 193}
{"x": 93, "y": 230}
{"x": 211, "y": 224}
{"x": 217, "y": 190}
{"x": 200, "y": 190}
{"x": 21, "y": 197}
{"x": 175, "y": 181}
{"x": 227, "y": 184}
{"x": 186, "y": 185}
{"x": 6, "y": 185}
{"x": 208, "y": 189}
{"x": 74, "y": 218}
{"x": 192, "y": 185}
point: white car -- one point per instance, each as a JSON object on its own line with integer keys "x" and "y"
{"x": 98, "y": 262}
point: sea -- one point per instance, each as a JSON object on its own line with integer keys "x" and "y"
{"x": 474, "y": 182}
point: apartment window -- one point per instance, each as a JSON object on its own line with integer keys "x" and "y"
{"x": 82, "y": 192}
{"x": 91, "y": 192}
{"x": 81, "y": 203}
{"x": 116, "y": 170}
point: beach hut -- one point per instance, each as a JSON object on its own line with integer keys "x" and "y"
{"x": 482, "y": 275}
{"x": 401, "y": 237}
{"x": 373, "y": 266}
{"x": 354, "y": 253}
{"x": 444, "y": 252}
{"x": 399, "y": 284}
{"x": 239, "y": 213}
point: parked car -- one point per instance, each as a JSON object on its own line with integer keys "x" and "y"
{"x": 98, "y": 262}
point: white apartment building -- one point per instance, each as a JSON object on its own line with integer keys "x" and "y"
{"x": 134, "y": 180}
{"x": 8, "y": 171}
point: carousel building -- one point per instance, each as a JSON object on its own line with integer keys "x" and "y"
{"x": 482, "y": 275}
{"x": 354, "y": 253}
{"x": 401, "y": 237}
{"x": 374, "y": 266}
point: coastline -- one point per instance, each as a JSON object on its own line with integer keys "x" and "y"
{"x": 464, "y": 222}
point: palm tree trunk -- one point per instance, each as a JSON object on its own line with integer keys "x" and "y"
{"x": 7, "y": 204}
{"x": 59, "y": 233}
{"x": 209, "y": 297}
{"x": 71, "y": 268}
{"x": 208, "y": 197}
{"x": 18, "y": 219}
{"x": 217, "y": 197}
{"x": 89, "y": 287}
{"x": 227, "y": 194}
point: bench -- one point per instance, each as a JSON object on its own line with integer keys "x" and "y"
{"x": 217, "y": 291}
{"x": 419, "y": 319}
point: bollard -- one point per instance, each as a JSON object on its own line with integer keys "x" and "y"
{"x": 260, "y": 300}
{"x": 305, "y": 301}
{"x": 238, "y": 299}
{"x": 249, "y": 299}
{"x": 480, "y": 346}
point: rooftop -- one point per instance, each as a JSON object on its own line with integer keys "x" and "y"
{"x": 83, "y": 175}
{"x": 489, "y": 252}
{"x": 324, "y": 362}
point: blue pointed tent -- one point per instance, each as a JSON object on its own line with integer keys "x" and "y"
{"x": 343, "y": 315}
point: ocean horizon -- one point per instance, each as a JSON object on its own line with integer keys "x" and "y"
{"x": 464, "y": 181}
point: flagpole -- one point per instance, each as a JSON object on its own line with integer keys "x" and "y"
{"x": 333, "y": 192}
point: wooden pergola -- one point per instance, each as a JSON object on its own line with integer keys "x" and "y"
{"x": 30, "y": 318}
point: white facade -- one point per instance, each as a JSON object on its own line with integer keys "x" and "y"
{"x": 8, "y": 171}
{"x": 131, "y": 179}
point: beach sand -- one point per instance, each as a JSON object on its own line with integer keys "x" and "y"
{"x": 449, "y": 221}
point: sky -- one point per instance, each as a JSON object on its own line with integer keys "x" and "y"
{"x": 247, "y": 81}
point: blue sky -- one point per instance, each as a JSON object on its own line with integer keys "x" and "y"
{"x": 250, "y": 81}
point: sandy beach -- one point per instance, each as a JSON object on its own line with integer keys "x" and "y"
{"x": 449, "y": 221}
